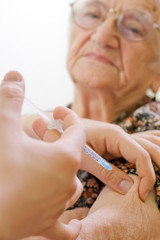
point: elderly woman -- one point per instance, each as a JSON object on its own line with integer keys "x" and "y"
{"x": 113, "y": 59}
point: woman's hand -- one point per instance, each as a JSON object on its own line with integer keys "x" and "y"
{"x": 37, "y": 179}
{"x": 110, "y": 141}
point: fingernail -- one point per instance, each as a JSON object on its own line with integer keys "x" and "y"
{"x": 125, "y": 186}
{"x": 13, "y": 77}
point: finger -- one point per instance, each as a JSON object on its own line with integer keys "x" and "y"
{"x": 115, "y": 178}
{"x": 134, "y": 153}
{"x": 74, "y": 133}
{"x": 11, "y": 99}
{"x": 77, "y": 193}
{"x": 149, "y": 132}
{"x": 151, "y": 138}
{"x": 40, "y": 128}
{"x": 151, "y": 148}
{"x": 62, "y": 231}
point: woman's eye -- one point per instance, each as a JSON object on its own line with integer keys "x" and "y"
{"x": 135, "y": 30}
{"x": 134, "y": 27}
{"x": 93, "y": 15}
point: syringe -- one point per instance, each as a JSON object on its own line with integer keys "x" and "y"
{"x": 57, "y": 124}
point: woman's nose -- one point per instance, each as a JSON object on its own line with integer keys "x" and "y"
{"x": 107, "y": 34}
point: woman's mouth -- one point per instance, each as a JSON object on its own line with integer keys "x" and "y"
{"x": 99, "y": 58}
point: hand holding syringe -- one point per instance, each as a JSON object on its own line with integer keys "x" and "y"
{"x": 57, "y": 124}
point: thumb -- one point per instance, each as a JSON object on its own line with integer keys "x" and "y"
{"x": 62, "y": 231}
{"x": 11, "y": 99}
{"x": 74, "y": 133}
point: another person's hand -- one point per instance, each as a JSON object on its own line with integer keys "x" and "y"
{"x": 37, "y": 179}
{"x": 110, "y": 141}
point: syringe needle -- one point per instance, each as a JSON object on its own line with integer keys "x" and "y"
{"x": 36, "y": 109}
{"x": 57, "y": 124}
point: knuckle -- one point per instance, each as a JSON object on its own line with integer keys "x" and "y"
{"x": 156, "y": 148}
{"x": 117, "y": 129}
{"x": 120, "y": 133}
{"x": 143, "y": 154}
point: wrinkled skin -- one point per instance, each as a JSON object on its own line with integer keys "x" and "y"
{"x": 101, "y": 89}
{"x": 122, "y": 217}
{"x": 119, "y": 217}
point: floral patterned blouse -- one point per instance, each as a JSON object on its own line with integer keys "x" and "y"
{"x": 146, "y": 116}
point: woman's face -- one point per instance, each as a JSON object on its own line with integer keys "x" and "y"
{"x": 102, "y": 58}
